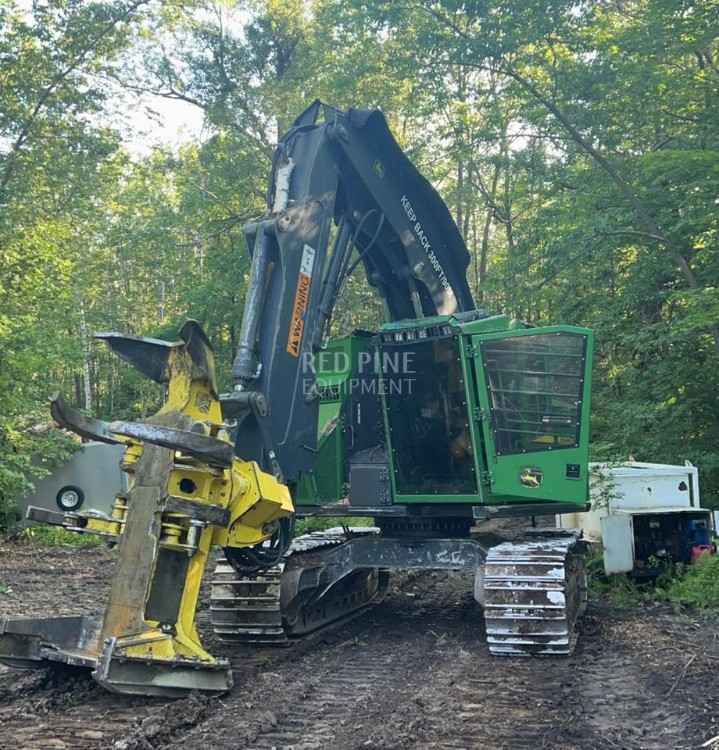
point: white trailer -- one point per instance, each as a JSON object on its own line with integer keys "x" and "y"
{"x": 87, "y": 483}
{"x": 644, "y": 515}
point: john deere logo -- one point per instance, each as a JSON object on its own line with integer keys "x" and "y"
{"x": 531, "y": 477}
{"x": 378, "y": 168}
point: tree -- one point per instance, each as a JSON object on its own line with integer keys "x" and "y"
{"x": 626, "y": 96}
{"x": 49, "y": 156}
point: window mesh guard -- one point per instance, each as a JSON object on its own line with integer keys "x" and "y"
{"x": 535, "y": 388}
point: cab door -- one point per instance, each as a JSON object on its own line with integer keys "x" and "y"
{"x": 533, "y": 391}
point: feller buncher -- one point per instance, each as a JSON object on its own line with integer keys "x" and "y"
{"x": 444, "y": 418}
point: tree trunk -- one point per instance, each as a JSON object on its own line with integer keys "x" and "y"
{"x": 86, "y": 380}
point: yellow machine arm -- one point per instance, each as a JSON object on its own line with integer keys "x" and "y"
{"x": 187, "y": 493}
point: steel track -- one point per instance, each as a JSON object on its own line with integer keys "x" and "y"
{"x": 534, "y": 590}
{"x": 247, "y": 609}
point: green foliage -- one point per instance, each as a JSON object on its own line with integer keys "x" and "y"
{"x": 27, "y": 456}
{"x": 51, "y": 155}
{"x": 53, "y": 536}
{"x": 601, "y": 209}
{"x": 618, "y": 590}
{"x": 696, "y": 587}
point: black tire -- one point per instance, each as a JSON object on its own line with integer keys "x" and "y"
{"x": 70, "y": 498}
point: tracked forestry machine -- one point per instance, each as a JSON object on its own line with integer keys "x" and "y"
{"x": 443, "y": 419}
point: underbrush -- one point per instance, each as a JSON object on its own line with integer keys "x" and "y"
{"x": 50, "y": 536}
{"x": 693, "y": 586}
{"x": 320, "y": 523}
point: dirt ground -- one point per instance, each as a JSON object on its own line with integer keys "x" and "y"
{"x": 414, "y": 672}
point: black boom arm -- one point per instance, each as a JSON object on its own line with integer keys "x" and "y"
{"x": 344, "y": 168}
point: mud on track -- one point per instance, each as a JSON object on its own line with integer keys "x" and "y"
{"x": 412, "y": 673}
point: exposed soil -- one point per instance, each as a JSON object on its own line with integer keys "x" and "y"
{"x": 414, "y": 672}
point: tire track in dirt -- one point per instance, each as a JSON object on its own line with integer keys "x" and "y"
{"x": 407, "y": 675}
{"x": 608, "y": 695}
{"x": 63, "y": 707}
{"x": 52, "y": 709}
{"x": 414, "y": 672}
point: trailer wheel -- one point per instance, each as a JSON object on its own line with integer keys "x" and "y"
{"x": 70, "y": 498}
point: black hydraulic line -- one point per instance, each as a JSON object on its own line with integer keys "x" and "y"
{"x": 339, "y": 272}
{"x": 253, "y": 559}
{"x": 360, "y": 226}
{"x": 365, "y": 250}
{"x": 331, "y": 283}
{"x": 352, "y": 244}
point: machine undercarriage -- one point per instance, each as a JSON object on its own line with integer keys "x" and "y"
{"x": 532, "y": 589}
